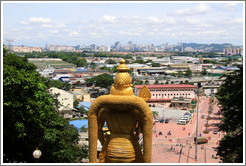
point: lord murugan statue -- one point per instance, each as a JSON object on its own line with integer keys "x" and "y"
{"x": 126, "y": 116}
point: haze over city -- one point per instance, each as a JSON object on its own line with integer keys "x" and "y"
{"x": 105, "y": 23}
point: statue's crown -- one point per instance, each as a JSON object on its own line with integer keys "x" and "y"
{"x": 122, "y": 82}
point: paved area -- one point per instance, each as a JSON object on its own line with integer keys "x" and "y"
{"x": 165, "y": 149}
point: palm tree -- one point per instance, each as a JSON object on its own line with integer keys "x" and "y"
{"x": 155, "y": 114}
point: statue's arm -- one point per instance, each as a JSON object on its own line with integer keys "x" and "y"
{"x": 101, "y": 121}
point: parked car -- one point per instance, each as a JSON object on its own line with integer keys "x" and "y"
{"x": 187, "y": 113}
{"x": 182, "y": 122}
{"x": 162, "y": 120}
{"x": 201, "y": 140}
{"x": 187, "y": 118}
{"x": 157, "y": 120}
{"x": 215, "y": 131}
{"x": 166, "y": 120}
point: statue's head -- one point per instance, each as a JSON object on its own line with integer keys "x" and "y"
{"x": 122, "y": 82}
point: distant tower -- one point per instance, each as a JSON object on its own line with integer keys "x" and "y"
{"x": 166, "y": 46}
{"x": 9, "y": 44}
{"x": 46, "y": 46}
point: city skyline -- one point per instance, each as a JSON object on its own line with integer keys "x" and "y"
{"x": 105, "y": 23}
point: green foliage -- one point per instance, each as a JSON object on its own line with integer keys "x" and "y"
{"x": 210, "y": 61}
{"x": 155, "y": 114}
{"x": 139, "y": 61}
{"x": 30, "y": 119}
{"x": 188, "y": 73}
{"x": 110, "y": 61}
{"x": 138, "y": 82}
{"x": 230, "y": 96}
{"x": 156, "y": 82}
{"x": 75, "y": 103}
{"x": 180, "y": 73}
{"x": 204, "y": 72}
{"x": 56, "y": 83}
{"x": 103, "y": 80}
{"x": 93, "y": 66}
{"x": 146, "y": 82}
{"x": 83, "y": 129}
{"x": 81, "y": 62}
{"x": 205, "y": 131}
{"x": 155, "y": 64}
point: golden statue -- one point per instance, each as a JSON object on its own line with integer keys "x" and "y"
{"x": 125, "y": 115}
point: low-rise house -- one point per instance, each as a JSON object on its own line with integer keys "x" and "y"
{"x": 65, "y": 100}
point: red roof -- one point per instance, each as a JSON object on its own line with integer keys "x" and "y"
{"x": 160, "y": 100}
{"x": 167, "y": 86}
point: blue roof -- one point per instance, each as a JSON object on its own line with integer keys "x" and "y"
{"x": 79, "y": 123}
{"x": 85, "y": 104}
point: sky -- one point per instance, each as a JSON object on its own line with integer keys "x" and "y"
{"x": 35, "y": 24}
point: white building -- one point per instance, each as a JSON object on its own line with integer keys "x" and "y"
{"x": 65, "y": 99}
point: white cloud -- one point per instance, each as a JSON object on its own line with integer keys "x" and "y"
{"x": 40, "y": 20}
{"x": 153, "y": 20}
{"x": 129, "y": 33}
{"x": 108, "y": 18}
{"x": 61, "y": 25}
{"x": 199, "y": 9}
{"x": 238, "y": 20}
{"x": 193, "y": 21}
{"x": 230, "y": 6}
{"x": 73, "y": 33}
{"x": 41, "y": 35}
{"x": 28, "y": 28}
{"x": 54, "y": 31}
{"x": 24, "y": 22}
{"x": 15, "y": 30}
{"x": 47, "y": 26}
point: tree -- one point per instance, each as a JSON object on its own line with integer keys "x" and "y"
{"x": 30, "y": 117}
{"x": 83, "y": 129}
{"x": 81, "y": 62}
{"x": 155, "y": 114}
{"x": 231, "y": 146}
{"x": 188, "y": 73}
{"x": 146, "y": 82}
{"x": 103, "y": 80}
{"x": 110, "y": 61}
{"x": 93, "y": 66}
{"x": 155, "y": 64}
{"x": 204, "y": 72}
{"x": 156, "y": 82}
{"x": 180, "y": 73}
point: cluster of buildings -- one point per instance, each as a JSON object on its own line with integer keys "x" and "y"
{"x": 26, "y": 49}
{"x": 130, "y": 47}
{"x": 233, "y": 51}
{"x": 170, "y": 67}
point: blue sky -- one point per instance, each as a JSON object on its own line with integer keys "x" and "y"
{"x": 34, "y": 24}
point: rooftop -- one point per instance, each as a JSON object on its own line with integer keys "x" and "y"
{"x": 167, "y": 86}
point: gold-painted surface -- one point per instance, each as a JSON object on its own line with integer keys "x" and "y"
{"x": 126, "y": 115}
{"x": 145, "y": 93}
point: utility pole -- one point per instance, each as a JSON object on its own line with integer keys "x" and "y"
{"x": 188, "y": 154}
{"x": 198, "y": 91}
{"x": 180, "y": 153}
{"x": 205, "y": 154}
